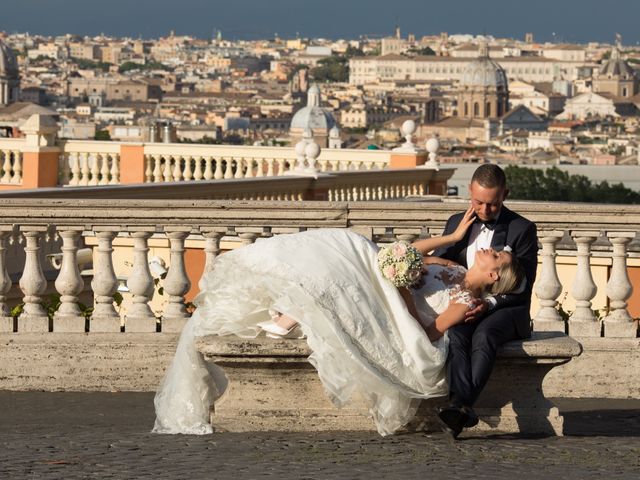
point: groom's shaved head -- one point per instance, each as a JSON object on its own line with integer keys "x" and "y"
{"x": 490, "y": 176}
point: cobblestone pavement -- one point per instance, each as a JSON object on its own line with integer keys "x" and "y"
{"x": 106, "y": 435}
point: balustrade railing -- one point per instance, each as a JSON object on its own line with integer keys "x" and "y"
{"x": 11, "y": 161}
{"x": 188, "y": 162}
{"x": 126, "y": 234}
{"x": 84, "y": 163}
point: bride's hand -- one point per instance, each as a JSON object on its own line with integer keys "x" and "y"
{"x": 467, "y": 220}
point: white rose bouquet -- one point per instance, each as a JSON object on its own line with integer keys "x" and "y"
{"x": 400, "y": 263}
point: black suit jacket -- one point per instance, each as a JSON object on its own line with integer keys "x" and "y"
{"x": 518, "y": 233}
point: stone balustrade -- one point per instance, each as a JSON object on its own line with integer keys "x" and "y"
{"x": 597, "y": 234}
{"x": 54, "y": 162}
{"x": 11, "y": 161}
{"x": 93, "y": 163}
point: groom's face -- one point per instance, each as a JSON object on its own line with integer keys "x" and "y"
{"x": 486, "y": 202}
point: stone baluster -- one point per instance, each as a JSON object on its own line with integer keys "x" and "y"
{"x": 104, "y": 283}
{"x": 208, "y": 172}
{"x": 188, "y": 175}
{"x": 115, "y": 170}
{"x": 177, "y": 170}
{"x": 69, "y": 284}
{"x": 148, "y": 171}
{"x": 259, "y": 167}
{"x": 228, "y": 168}
{"x": 6, "y": 320}
{"x": 65, "y": 159}
{"x": 619, "y": 323}
{"x": 404, "y": 235}
{"x": 583, "y": 322}
{"x": 95, "y": 169}
{"x": 548, "y": 286}
{"x": 176, "y": 283}
{"x": 33, "y": 283}
{"x": 218, "y": 173}
{"x": 249, "y": 172}
{"x": 239, "y": 165}
{"x": 75, "y": 170}
{"x": 140, "y": 317}
{"x": 6, "y": 167}
{"x": 157, "y": 168}
{"x": 17, "y": 167}
{"x": 197, "y": 173}
{"x": 104, "y": 169}
{"x": 270, "y": 167}
{"x": 212, "y": 246}
{"x": 167, "y": 172}
{"x": 84, "y": 169}
{"x": 281, "y": 166}
{"x": 247, "y": 238}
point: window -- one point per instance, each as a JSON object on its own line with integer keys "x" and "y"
{"x": 487, "y": 112}
{"x": 466, "y": 109}
{"x": 476, "y": 109}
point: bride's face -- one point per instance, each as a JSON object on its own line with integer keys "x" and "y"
{"x": 490, "y": 261}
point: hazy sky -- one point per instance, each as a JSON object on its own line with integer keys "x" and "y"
{"x": 562, "y": 20}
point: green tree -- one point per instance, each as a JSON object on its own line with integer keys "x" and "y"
{"x": 555, "y": 185}
{"x": 331, "y": 69}
{"x": 102, "y": 135}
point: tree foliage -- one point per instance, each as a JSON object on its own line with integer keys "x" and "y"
{"x": 102, "y": 135}
{"x": 555, "y": 185}
{"x": 331, "y": 69}
{"x": 85, "y": 64}
{"x": 129, "y": 66}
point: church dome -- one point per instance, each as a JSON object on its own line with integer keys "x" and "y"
{"x": 616, "y": 67}
{"x": 483, "y": 72}
{"x": 313, "y": 116}
{"x": 8, "y": 62}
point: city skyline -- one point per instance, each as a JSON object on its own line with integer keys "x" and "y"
{"x": 569, "y": 21}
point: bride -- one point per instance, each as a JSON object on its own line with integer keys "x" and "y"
{"x": 389, "y": 344}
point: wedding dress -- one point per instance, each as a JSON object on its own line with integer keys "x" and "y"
{"x": 356, "y": 323}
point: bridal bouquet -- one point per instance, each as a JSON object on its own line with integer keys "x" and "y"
{"x": 400, "y": 263}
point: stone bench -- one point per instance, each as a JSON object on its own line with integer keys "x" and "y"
{"x": 272, "y": 386}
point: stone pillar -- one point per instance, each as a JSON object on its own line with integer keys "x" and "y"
{"x": 132, "y": 164}
{"x": 33, "y": 283}
{"x": 105, "y": 318}
{"x": 583, "y": 322}
{"x": 176, "y": 283}
{"x": 212, "y": 246}
{"x": 548, "y": 286}
{"x": 40, "y": 154}
{"x": 619, "y": 323}
{"x": 247, "y": 238}
{"x": 408, "y": 155}
{"x": 140, "y": 317}
{"x": 6, "y": 320}
{"x": 69, "y": 284}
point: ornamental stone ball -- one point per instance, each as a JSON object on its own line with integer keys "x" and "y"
{"x": 432, "y": 145}
{"x": 312, "y": 150}
{"x": 300, "y": 148}
{"x": 408, "y": 127}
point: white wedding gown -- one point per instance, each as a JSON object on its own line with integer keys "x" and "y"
{"x": 357, "y": 325}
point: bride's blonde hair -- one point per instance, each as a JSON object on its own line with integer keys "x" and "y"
{"x": 510, "y": 276}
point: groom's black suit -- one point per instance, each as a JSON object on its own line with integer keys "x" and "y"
{"x": 473, "y": 345}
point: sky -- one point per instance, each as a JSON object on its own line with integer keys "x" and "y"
{"x": 553, "y": 20}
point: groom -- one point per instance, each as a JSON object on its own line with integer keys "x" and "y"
{"x": 494, "y": 320}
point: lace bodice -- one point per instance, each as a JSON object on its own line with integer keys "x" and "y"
{"x": 440, "y": 286}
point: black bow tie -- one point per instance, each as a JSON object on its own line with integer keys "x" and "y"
{"x": 489, "y": 224}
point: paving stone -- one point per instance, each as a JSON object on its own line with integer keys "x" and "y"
{"x": 107, "y": 435}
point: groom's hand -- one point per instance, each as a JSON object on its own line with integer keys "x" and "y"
{"x": 479, "y": 309}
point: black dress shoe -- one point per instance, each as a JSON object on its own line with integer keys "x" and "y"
{"x": 472, "y": 419}
{"x": 452, "y": 420}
